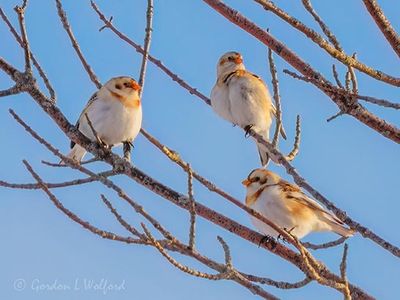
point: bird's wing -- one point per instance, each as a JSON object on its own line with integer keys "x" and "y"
{"x": 294, "y": 193}
{"x": 89, "y": 103}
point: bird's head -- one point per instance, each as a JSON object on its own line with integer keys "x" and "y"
{"x": 258, "y": 178}
{"x": 123, "y": 87}
{"x": 230, "y": 62}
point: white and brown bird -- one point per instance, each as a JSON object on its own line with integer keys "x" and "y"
{"x": 115, "y": 113}
{"x": 243, "y": 99}
{"x": 288, "y": 207}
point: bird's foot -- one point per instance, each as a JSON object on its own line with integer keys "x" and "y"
{"x": 101, "y": 143}
{"x": 289, "y": 231}
{"x": 247, "y": 130}
{"x": 267, "y": 239}
{"x": 127, "y": 146}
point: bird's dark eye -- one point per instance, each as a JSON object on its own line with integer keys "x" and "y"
{"x": 230, "y": 58}
{"x": 118, "y": 86}
{"x": 126, "y": 84}
{"x": 255, "y": 179}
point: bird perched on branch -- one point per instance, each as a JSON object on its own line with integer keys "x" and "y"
{"x": 288, "y": 207}
{"x": 243, "y": 99}
{"x": 114, "y": 114}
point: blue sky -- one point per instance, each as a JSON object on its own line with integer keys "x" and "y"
{"x": 352, "y": 165}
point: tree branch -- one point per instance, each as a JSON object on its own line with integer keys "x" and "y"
{"x": 384, "y": 25}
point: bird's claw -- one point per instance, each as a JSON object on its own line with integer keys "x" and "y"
{"x": 269, "y": 240}
{"x": 247, "y": 130}
{"x": 289, "y": 231}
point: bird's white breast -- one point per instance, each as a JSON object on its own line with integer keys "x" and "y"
{"x": 250, "y": 103}
{"x": 271, "y": 207}
{"x": 114, "y": 122}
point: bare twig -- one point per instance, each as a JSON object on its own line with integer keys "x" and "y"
{"x": 348, "y": 79}
{"x": 334, "y": 243}
{"x": 384, "y": 25}
{"x": 42, "y": 74}
{"x": 353, "y": 77}
{"x": 311, "y": 34}
{"x": 280, "y": 284}
{"x": 343, "y": 266}
{"x": 228, "y": 257}
{"x": 67, "y": 27}
{"x": 125, "y": 224}
{"x": 277, "y": 98}
{"x": 192, "y": 231}
{"x": 152, "y": 59}
{"x": 20, "y": 10}
{"x": 15, "y": 89}
{"x": 35, "y": 186}
{"x": 332, "y": 38}
{"x": 58, "y": 165}
{"x": 99, "y": 141}
{"x": 147, "y": 40}
{"x": 296, "y": 144}
{"x": 74, "y": 217}
{"x": 380, "y": 102}
{"x": 336, "y": 76}
{"x": 338, "y": 114}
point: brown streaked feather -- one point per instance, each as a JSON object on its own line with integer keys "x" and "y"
{"x": 288, "y": 187}
{"x": 313, "y": 206}
{"x": 301, "y": 201}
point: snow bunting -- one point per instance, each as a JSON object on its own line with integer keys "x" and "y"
{"x": 115, "y": 113}
{"x": 288, "y": 207}
{"x": 243, "y": 98}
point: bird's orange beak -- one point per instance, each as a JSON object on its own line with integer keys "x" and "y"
{"x": 246, "y": 182}
{"x": 238, "y": 60}
{"x": 135, "y": 85}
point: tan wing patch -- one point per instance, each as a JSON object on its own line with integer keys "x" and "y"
{"x": 288, "y": 187}
{"x": 303, "y": 203}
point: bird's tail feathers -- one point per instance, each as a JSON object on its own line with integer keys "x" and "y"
{"x": 77, "y": 153}
{"x": 340, "y": 229}
{"x": 264, "y": 156}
